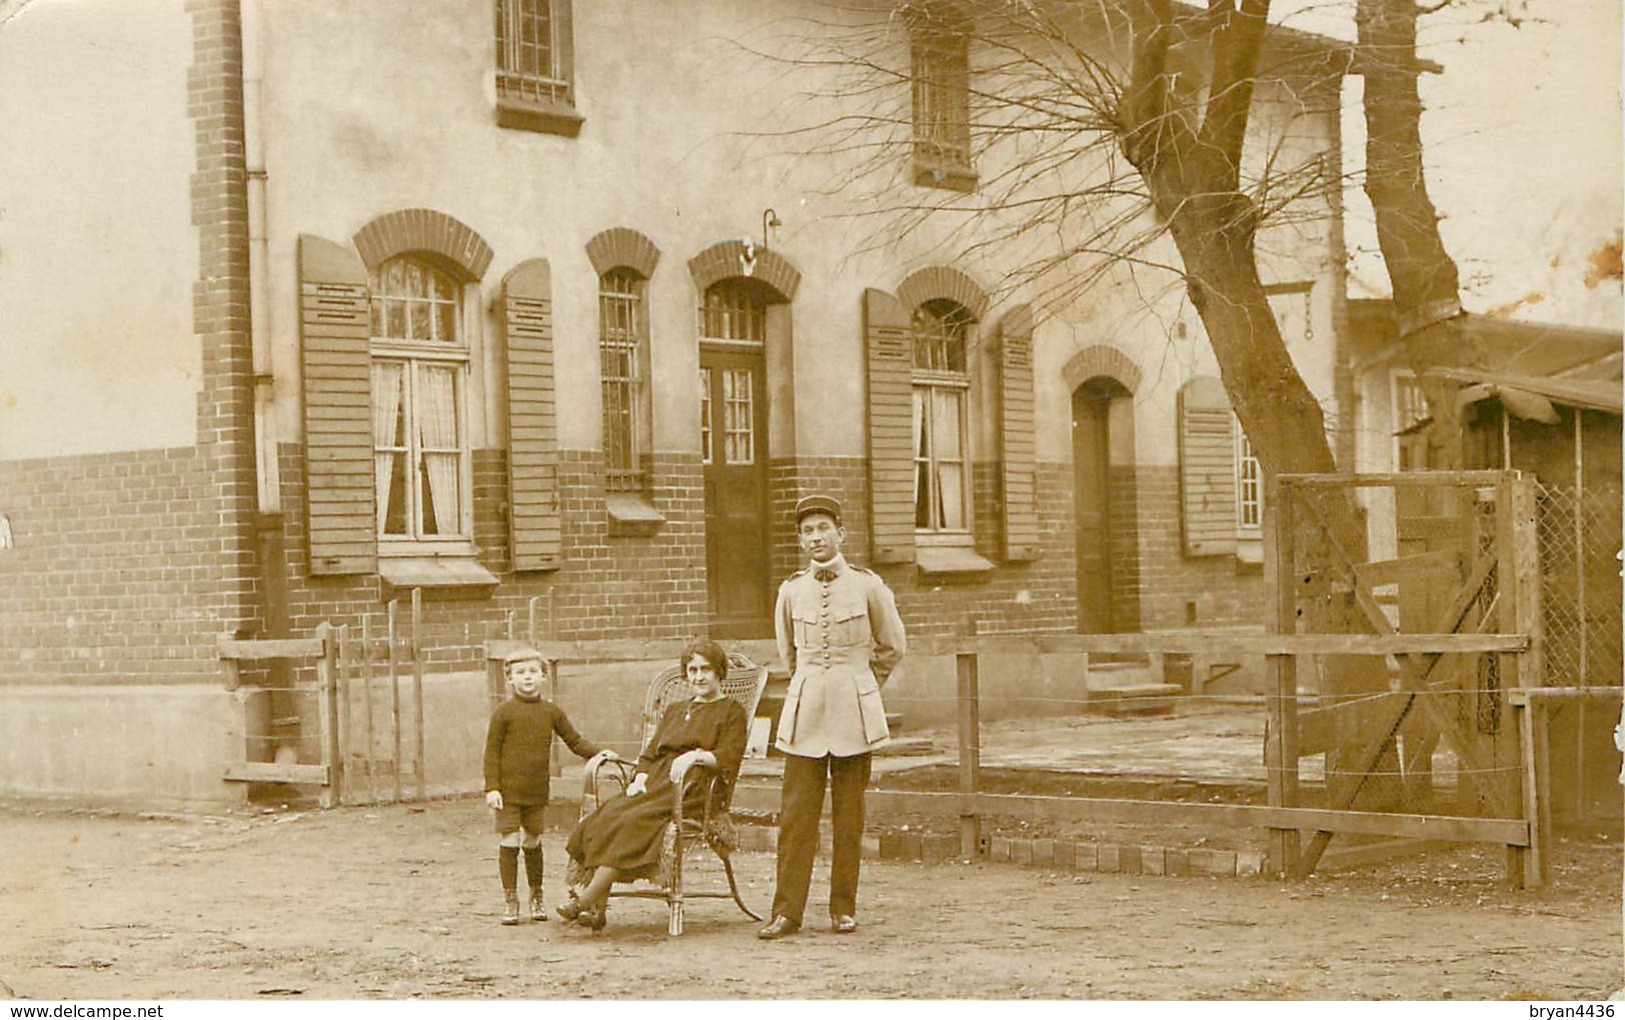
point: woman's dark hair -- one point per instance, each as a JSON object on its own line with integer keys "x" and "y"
{"x": 708, "y": 650}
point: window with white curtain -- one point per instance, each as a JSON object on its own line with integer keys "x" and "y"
{"x": 420, "y": 360}
{"x": 941, "y": 382}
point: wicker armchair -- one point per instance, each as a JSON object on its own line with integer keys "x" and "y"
{"x": 714, "y": 829}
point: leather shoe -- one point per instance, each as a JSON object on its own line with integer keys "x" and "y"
{"x": 843, "y": 924}
{"x": 778, "y": 928}
{"x": 593, "y": 918}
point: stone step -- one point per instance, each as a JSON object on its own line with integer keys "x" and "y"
{"x": 1133, "y": 699}
{"x": 906, "y": 745}
{"x": 1107, "y": 675}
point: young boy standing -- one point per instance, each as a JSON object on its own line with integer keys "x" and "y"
{"x": 518, "y": 758}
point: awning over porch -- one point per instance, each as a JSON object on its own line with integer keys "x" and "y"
{"x": 1529, "y": 366}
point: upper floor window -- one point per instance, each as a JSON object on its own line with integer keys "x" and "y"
{"x": 420, "y": 359}
{"x": 623, "y": 357}
{"x": 535, "y": 66}
{"x": 941, "y": 385}
{"x": 940, "y": 54}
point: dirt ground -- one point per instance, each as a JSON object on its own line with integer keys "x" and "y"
{"x": 401, "y": 902}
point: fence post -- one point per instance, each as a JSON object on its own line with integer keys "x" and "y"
{"x": 341, "y": 680}
{"x": 417, "y": 687}
{"x": 970, "y": 753}
{"x": 1517, "y": 578}
{"x": 1281, "y": 737}
{"x": 366, "y": 706}
{"x": 395, "y": 697}
{"x": 1527, "y": 706}
{"x": 327, "y": 713}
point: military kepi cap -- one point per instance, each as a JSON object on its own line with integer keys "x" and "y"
{"x": 818, "y": 503}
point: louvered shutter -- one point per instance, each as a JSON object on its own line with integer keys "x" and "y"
{"x": 891, "y": 427}
{"x": 533, "y": 440}
{"x": 1017, "y": 446}
{"x": 334, "y": 340}
{"x": 1207, "y": 468}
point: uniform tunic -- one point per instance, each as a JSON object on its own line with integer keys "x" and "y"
{"x": 624, "y": 832}
{"x": 519, "y": 749}
{"x": 840, "y": 636}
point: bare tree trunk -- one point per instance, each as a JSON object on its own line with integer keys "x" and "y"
{"x": 1280, "y": 415}
{"x": 1423, "y": 275}
{"x": 1193, "y": 174}
{"x": 1194, "y": 177}
{"x": 1424, "y": 278}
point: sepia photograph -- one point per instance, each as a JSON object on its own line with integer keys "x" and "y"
{"x": 938, "y": 501}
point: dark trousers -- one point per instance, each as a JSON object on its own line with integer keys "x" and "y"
{"x": 801, "y": 801}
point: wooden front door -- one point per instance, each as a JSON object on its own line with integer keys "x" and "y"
{"x": 733, "y": 436}
{"x": 1091, "y": 504}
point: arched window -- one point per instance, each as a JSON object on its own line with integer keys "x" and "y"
{"x": 941, "y": 383}
{"x": 735, "y": 309}
{"x": 623, "y": 357}
{"x": 420, "y": 359}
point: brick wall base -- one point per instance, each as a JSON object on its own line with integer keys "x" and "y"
{"x": 114, "y": 570}
{"x": 1174, "y": 590}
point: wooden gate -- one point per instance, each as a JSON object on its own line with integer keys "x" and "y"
{"x": 379, "y": 676}
{"x": 1454, "y": 589}
{"x": 353, "y": 727}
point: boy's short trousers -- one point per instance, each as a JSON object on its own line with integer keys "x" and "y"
{"x": 513, "y": 817}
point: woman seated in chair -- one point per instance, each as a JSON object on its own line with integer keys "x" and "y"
{"x": 623, "y": 837}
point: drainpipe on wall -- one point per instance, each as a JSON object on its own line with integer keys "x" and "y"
{"x": 270, "y": 549}
{"x": 270, "y": 500}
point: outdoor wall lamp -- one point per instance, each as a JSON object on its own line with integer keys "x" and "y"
{"x": 747, "y": 258}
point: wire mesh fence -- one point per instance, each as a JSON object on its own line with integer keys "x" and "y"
{"x": 1579, "y": 535}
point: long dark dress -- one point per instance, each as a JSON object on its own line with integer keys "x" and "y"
{"x": 624, "y": 833}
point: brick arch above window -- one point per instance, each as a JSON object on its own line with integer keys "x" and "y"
{"x": 623, "y": 246}
{"x": 1101, "y": 360}
{"x": 923, "y": 285}
{"x": 424, "y": 230}
{"x": 730, "y": 258}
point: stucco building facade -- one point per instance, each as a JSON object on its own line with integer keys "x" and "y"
{"x": 311, "y": 305}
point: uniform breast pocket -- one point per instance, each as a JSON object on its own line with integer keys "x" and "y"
{"x": 849, "y": 625}
{"x": 806, "y": 623}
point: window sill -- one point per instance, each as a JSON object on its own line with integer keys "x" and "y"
{"x": 632, "y": 515}
{"x": 548, "y": 117}
{"x": 439, "y": 576}
{"x": 936, "y": 173}
{"x": 951, "y": 562}
{"x": 1249, "y": 554}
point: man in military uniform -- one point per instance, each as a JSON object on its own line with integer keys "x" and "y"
{"x": 840, "y": 636}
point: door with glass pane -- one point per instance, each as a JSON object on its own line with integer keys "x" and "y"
{"x": 733, "y": 435}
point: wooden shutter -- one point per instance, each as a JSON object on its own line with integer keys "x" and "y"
{"x": 891, "y": 427}
{"x": 533, "y": 439}
{"x": 1017, "y": 447}
{"x": 334, "y": 340}
{"x": 1207, "y": 468}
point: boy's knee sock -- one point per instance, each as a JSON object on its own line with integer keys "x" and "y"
{"x": 508, "y": 868}
{"x": 533, "y": 868}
